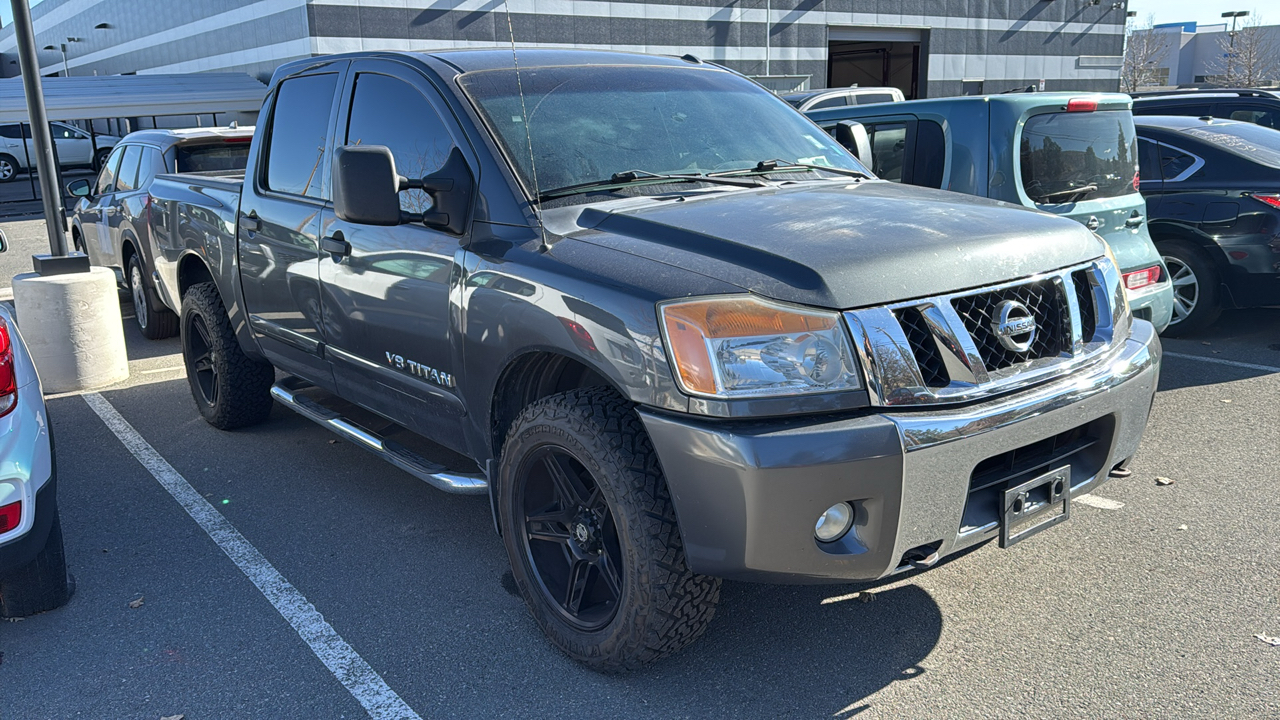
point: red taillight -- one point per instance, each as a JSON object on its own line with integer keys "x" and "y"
{"x": 1272, "y": 199}
{"x": 1135, "y": 181}
{"x": 10, "y": 516}
{"x": 580, "y": 336}
{"x": 8, "y": 376}
{"x": 1082, "y": 104}
{"x": 1238, "y": 254}
{"x": 1142, "y": 278}
{"x": 237, "y": 139}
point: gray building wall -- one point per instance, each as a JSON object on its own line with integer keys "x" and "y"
{"x": 1192, "y": 57}
{"x": 1005, "y": 43}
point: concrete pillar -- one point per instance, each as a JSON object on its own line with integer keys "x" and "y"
{"x": 71, "y": 324}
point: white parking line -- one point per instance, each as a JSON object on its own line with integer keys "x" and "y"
{"x": 364, "y": 684}
{"x": 1098, "y": 502}
{"x": 1232, "y": 363}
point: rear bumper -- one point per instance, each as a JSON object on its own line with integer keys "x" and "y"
{"x": 1155, "y": 305}
{"x": 748, "y": 494}
{"x": 27, "y": 474}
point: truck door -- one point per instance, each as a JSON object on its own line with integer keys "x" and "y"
{"x": 387, "y": 293}
{"x": 279, "y": 220}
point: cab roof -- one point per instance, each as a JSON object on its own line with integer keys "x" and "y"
{"x": 471, "y": 60}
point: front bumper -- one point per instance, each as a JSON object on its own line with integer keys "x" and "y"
{"x": 747, "y": 494}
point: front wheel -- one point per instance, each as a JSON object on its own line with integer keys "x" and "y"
{"x": 8, "y": 168}
{"x": 231, "y": 389}
{"x": 154, "y": 319}
{"x": 591, "y": 533}
{"x": 1196, "y": 294}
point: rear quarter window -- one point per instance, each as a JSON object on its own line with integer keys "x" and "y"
{"x": 213, "y": 158}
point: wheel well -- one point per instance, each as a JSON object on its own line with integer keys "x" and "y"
{"x": 191, "y": 271}
{"x": 127, "y": 251}
{"x": 528, "y": 379}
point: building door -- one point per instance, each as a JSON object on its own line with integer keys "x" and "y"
{"x": 875, "y": 57}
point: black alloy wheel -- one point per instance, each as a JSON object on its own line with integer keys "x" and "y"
{"x": 570, "y": 539}
{"x": 197, "y": 346}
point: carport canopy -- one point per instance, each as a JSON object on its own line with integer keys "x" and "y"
{"x": 123, "y": 96}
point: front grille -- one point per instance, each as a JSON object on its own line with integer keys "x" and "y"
{"x": 924, "y": 348}
{"x": 1084, "y": 448}
{"x": 1047, "y": 306}
{"x": 1088, "y": 310}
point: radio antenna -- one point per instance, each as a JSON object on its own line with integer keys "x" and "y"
{"x": 528, "y": 134}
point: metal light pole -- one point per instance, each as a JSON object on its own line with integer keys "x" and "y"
{"x": 40, "y": 135}
{"x": 1231, "y": 55}
{"x": 66, "y": 71}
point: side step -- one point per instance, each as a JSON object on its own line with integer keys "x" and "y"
{"x": 287, "y": 393}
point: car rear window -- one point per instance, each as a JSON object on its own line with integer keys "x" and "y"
{"x": 213, "y": 158}
{"x": 1252, "y": 142}
{"x": 1069, "y": 157}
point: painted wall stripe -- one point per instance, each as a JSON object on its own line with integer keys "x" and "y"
{"x": 364, "y": 684}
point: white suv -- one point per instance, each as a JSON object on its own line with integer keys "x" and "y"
{"x": 33, "y": 571}
{"x": 74, "y": 148}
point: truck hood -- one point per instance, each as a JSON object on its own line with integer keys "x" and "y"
{"x": 836, "y": 245}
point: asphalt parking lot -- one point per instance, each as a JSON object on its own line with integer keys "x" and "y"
{"x": 1145, "y": 604}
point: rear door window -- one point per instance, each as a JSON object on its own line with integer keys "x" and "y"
{"x": 299, "y": 134}
{"x": 127, "y": 176}
{"x": 837, "y": 101}
{"x": 872, "y": 98}
{"x": 1266, "y": 117}
{"x": 1073, "y": 156}
{"x": 930, "y": 155}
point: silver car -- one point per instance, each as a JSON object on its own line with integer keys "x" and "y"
{"x": 73, "y": 146}
{"x": 33, "y": 572}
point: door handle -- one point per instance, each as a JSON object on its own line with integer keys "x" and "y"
{"x": 336, "y": 246}
{"x": 1135, "y": 220}
{"x": 250, "y": 222}
{"x": 108, "y": 210}
{"x": 1094, "y": 223}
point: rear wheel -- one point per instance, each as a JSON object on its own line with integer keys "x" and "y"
{"x": 231, "y": 389}
{"x": 41, "y": 584}
{"x": 154, "y": 319}
{"x": 8, "y": 168}
{"x": 591, "y": 533}
{"x": 1196, "y": 287}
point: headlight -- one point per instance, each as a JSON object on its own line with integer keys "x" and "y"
{"x": 743, "y": 346}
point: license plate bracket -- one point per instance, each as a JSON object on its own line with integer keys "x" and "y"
{"x": 1035, "y": 505}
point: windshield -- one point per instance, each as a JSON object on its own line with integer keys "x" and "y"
{"x": 1252, "y": 142}
{"x": 589, "y": 122}
{"x": 1069, "y": 157}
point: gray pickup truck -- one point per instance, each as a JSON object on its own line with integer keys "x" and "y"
{"x": 672, "y": 329}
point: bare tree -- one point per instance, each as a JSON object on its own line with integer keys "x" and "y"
{"x": 1144, "y": 48}
{"x": 1250, "y": 56}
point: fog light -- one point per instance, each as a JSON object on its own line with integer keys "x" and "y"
{"x": 834, "y": 523}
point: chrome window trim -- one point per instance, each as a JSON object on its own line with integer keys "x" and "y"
{"x": 893, "y": 377}
{"x": 1196, "y": 165}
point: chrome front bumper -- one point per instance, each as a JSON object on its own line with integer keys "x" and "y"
{"x": 747, "y": 494}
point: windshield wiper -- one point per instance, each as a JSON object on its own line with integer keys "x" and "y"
{"x": 768, "y": 166}
{"x": 1068, "y": 193}
{"x": 631, "y": 177}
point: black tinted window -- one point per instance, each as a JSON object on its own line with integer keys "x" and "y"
{"x": 1175, "y": 163}
{"x": 224, "y": 157}
{"x": 10, "y": 131}
{"x": 837, "y": 101}
{"x": 107, "y": 179}
{"x": 1149, "y": 161}
{"x": 873, "y": 98}
{"x": 930, "y": 156}
{"x": 390, "y": 112}
{"x": 1162, "y": 109}
{"x": 127, "y": 175}
{"x": 63, "y": 132}
{"x": 1069, "y": 157}
{"x": 299, "y": 132}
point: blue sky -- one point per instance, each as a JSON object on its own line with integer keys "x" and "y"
{"x": 1205, "y": 12}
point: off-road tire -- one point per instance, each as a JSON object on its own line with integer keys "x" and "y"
{"x": 243, "y": 384}
{"x": 41, "y": 584}
{"x": 156, "y": 321}
{"x": 1208, "y": 305}
{"x": 663, "y": 605}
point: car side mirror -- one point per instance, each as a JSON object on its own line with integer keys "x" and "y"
{"x": 366, "y": 188}
{"x": 853, "y": 135}
{"x": 79, "y": 188}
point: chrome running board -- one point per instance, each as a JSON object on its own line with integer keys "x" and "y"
{"x": 286, "y": 392}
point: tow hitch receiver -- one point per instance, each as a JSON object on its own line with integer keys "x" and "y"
{"x": 1035, "y": 505}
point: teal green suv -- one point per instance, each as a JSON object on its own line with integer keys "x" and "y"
{"x": 1064, "y": 153}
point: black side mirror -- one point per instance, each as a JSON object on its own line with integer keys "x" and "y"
{"x": 79, "y": 188}
{"x": 853, "y": 135}
{"x": 365, "y": 185}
